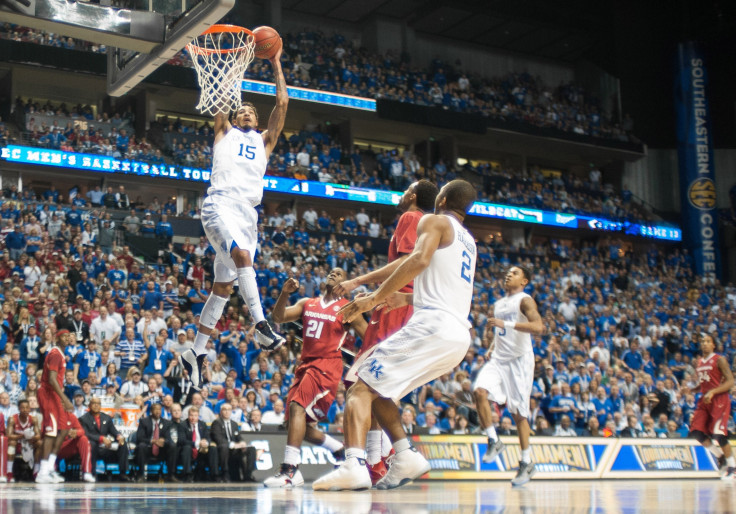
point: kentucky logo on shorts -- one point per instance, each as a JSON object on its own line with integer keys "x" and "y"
{"x": 376, "y": 369}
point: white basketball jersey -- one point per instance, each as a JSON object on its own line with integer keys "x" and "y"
{"x": 238, "y": 166}
{"x": 510, "y": 343}
{"x": 447, "y": 283}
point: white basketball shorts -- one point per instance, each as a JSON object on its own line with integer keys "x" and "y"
{"x": 508, "y": 382}
{"x": 227, "y": 224}
{"x": 431, "y": 344}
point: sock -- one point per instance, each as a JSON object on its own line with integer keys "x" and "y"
{"x": 373, "y": 446}
{"x": 715, "y": 450}
{"x": 491, "y": 433}
{"x": 37, "y": 467}
{"x": 44, "y": 467}
{"x": 52, "y": 462}
{"x": 292, "y": 455}
{"x": 401, "y": 445}
{"x": 200, "y": 343}
{"x": 357, "y": 453}
{"x": 331, "y": 444}
{"x": 249, "y": 292}
{"x": 386, "y": 445}
{"x": 731, "y": 461}
{"x": 526, "y": 455}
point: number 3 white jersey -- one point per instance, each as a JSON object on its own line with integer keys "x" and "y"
{"x": 510, "y": 343}
{"x": 447, "y": 283}
{"x": 238, "y": 166}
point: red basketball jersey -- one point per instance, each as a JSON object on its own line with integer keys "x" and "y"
{"x": 19, "y": 427}
{"x": 323, "y": 333}
{"x": 709, "y": 375}
{"x": 404, "y": 239}
{"x": 54, "y": 361}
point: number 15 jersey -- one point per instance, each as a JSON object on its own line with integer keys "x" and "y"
{"x": 323, "y": 331}
{"x": 238, "y": 166}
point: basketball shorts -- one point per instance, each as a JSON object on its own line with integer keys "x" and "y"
{"x": 430, "y": 345}
{"x": 712, "y": 419}
{"x": 54, "y": 416}
{"x": 314, "y": 387}
{"x": 383, "y": 324}
{"x": 228, "y": 224}
{"x": 508, "y": 382}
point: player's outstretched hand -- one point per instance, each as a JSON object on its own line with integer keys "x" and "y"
{"x": 357, "y": 307}
{"x": 290, "y": 286}
{"x": 277, "y": 56}
{"x": 344, "y": 288}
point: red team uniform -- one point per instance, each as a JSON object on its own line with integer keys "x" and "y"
{"x": 79, "y": 445}
{"x": 711, "y": 419}
{"x": 317, "y": 377}
{"x": 54, "y": 416}
{"x": 3, "y": 447}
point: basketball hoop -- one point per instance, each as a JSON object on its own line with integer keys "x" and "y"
{"x": 221, "y": 55}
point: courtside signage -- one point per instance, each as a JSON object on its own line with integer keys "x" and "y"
{"x": 312, "y": 95}
{"x": 105, "y": 164}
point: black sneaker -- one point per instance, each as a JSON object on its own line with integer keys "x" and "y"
{"x": 525, "y": 473}
{"x": 267, "y": 338}
{"x": 193, "y": 363}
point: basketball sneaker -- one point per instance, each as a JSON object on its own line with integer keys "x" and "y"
{"x": 405, "y": 466}
{"x": 89, "y": 478}
{"x": 56, "y": 477}
{"x": 288, "y": 476}
{"x": 494, "y": 449}
{"x": 722, "y": 465}
{"x": 525, "y": 473}
{"x": 339, "y": 456}
{"x": 351, "y": 475}
{"x": 3, "y": 479}
{"x": 267, "y": 338}
{"x": 193, "y": 363}
{"x": 730, "y": 475}
{"x": 377, "y": 471}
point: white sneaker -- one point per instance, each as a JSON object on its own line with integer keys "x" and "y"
{"x": 351, "y": 475}
{"x": 730, "y": 475}
{"x": 493, "y": 450}
{"x": 288, "y": 476}
{"x": 56, "y": 477}
{"x": 193, "y": 363}
{"x": 406, "y": 466}
{"x": 3, "y": 480}
{"x": 44, "y": 478}
{"x": 89, "y": 477}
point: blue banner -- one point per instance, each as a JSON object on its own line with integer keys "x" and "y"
{"x": 105, "y": 164}
{"x": 695, "y": 153}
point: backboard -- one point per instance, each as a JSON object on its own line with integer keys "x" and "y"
{"x": 140, "y": 35}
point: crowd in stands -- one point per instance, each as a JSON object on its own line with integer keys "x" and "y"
{"x": 331, "y": 62}
{"x": 617, "y": 357}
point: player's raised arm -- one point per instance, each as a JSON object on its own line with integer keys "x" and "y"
{"x": 278, "y": 115}
{"x": 222, "y": 125}
{"x": 282, "y": 313}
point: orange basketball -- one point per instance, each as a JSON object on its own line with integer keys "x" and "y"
{"x": 268, "y": 42}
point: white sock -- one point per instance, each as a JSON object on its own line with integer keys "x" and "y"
{"x": 44, "y": 468}
{"x": 52, "y": 462}
{"x": 491, "y": 433}
{"x": 200, "y": 343}
{"x": 292, "y": 455}
{"x": 373, "y": 446}
{"x": 401, "y": 445}
{"x": 731, "y": 461}
{"x": 715, "y": 450}
{"x": 249, "y": 292}
{"x": 354, "y": 453}
{"x": 526, "y": 455}
{"x": 386, "y": 445}
{"x": 332, "y": 444}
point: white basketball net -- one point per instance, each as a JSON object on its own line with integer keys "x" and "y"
{"x": 221, "y": 58}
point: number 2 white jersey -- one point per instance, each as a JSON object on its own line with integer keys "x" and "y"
{"x": 447, "y": 283}
{"x": 510, "y": 343}
{"x": 238, "y": 166}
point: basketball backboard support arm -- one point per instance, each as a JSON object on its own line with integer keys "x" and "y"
{"x": 141, "y": 31}
{"x": 124, "y": 71}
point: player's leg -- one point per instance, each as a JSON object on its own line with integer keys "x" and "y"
{"x": 518, "y": 382}
{"x": 289, "y": 474}
{"x": 3, "y": 459}
{"x": 248, "y": 288}
{"x": 489, "y": 379}
{"x": 315, "y": 436}
{"x": 720, "y": 411}
{"x": 526, "y": 466}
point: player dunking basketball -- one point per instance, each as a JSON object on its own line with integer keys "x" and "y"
{"x": 417, "y": 200}
{"x": 317, "y": 377}
{"x": 55, "y": 408}
{"x": 230, "y": 220}
{"x": 710, "y": 420}
{"x": 432, "y": 343}
{"x": 508, "y": 376}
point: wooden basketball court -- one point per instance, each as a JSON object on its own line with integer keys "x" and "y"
{"x": 447, "y": 497}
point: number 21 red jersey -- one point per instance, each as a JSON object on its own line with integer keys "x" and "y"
{"x": 323, "y": 330}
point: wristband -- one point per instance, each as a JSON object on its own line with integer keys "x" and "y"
{"x": 509, "y": 325}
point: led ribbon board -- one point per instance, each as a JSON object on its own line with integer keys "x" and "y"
{"x": 104, "y": 164}
{"x": 312, "y": 95}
